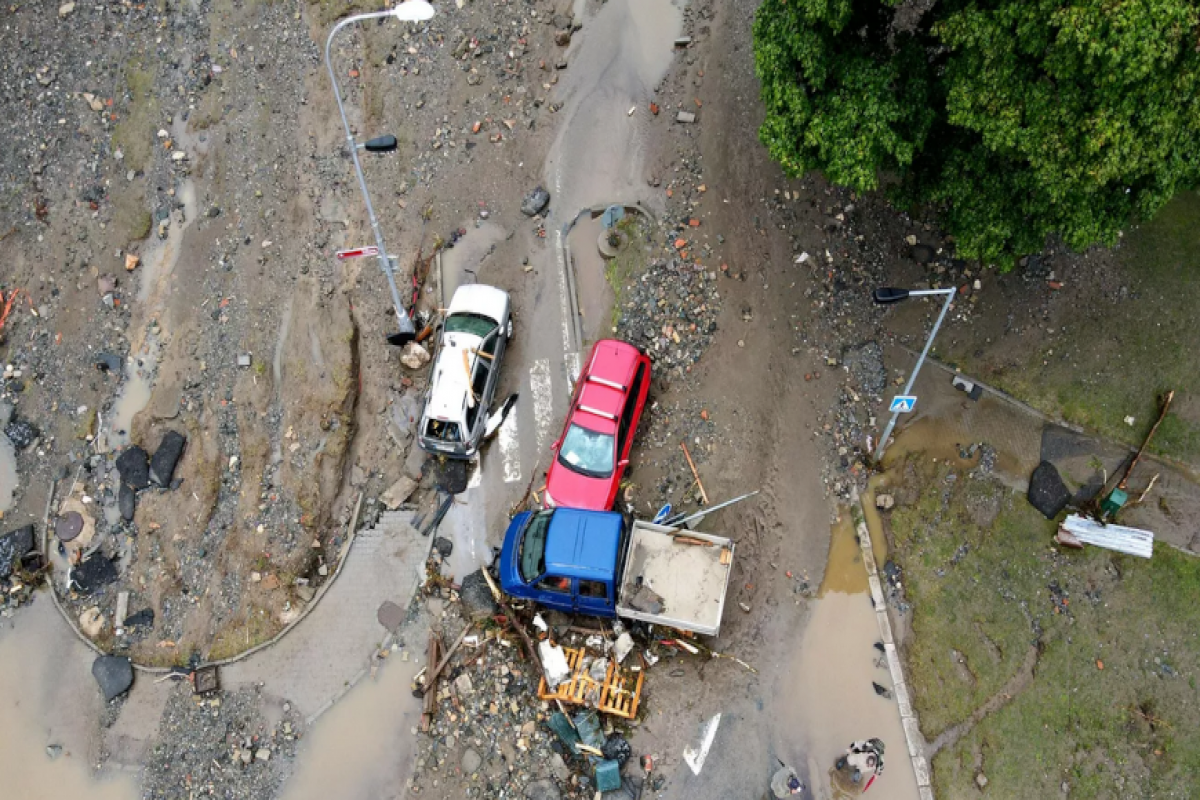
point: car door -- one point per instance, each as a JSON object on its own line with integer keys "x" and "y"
{"x": 593, "y": 597}
{"x": 627, "y": 427}
{"x": 481, "y": 384}
{"x": 554, "y": 591}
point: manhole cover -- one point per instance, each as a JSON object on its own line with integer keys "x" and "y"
{"x": 68, "y": 526}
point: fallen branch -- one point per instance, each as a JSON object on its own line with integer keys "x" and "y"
{"x": 695, "y": 474}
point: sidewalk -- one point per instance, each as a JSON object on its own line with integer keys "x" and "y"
{"x": 947, "y": 422}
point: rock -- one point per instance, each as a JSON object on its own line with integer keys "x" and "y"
{"x": 65, "y": 10}
{"x": 93, "y": 572}
{"x": 535, "y": 202}
{"x": 91, "y": 622}
{"x": 542, "y": 790}
{"x": 559, "y": 768}
{"x": 107, "y": 362}
{"x": 462, "y": 684}
{"x": 390, "y": 615}
{"x": 397, "y": 493}
{"x": 126, "y": 502}
{"x": 414, "y": 463}
{"x": 884, "y": 501}
{"x": 140, "y": 619}
{"x": 981, "y": 780}
{"x": 114, "y": 674}
{"x": 305, "y": 592}
{"x": 686, "y": 117}
{"x": 131, "y": 262}
{"x": 617, "y": 748}
{"x": 470, "y": 761}
{"x": 562, "y": 38}
{"x": 162, "y": 464}
{"x": 476, "y": 598}
{"x": 53, "y": 751}
{"x": 20, "y": 433}
{"x": 443, "y": 546}
{"x": 414, "y": 356}
{"x": 134, "y": 466}
{"x": 262, "y": 754}
{"x": 14, "y": 545}
{"x": 1047, "y": 492}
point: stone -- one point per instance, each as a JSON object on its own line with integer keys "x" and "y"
{"x": 443, "y": 546}
{"x": 262, "y": 754}
{"x": 397, "y": 493}
{"x": 53, "y": 751}
{"x": 14, "y": 545}
{"x": 126, "y": 502}
{"x": 462, "y": 684}
{"x": 1047, "y": 492}
{"x": 140, "y": 619}
{"x": 414, "y": 356}
{"x": 981, "y": 780}
{"x": 93, "y": 572}
{"x": 65, "y": 10}
{"x": 414, "y": 463}
{"x": 559, "y": 768}
{"x": 305, "y": 592}
{"x": 162, "y": 463}
{"x": 686, "y": 117}
{"x": 562, "y": 38}
{"x": 535, "y": 202}
{"x": 20, "y": 433}
{"x": 131, "y": 262}
{"x": 114, "y": 674}
{"x": 390, "y": 615}
{"x": 134, "y": 467}
{"x": 470, "y": 761}
{"x": 476, "y": 598}
{"x": 884, "y": 501}
{"x": 542, "y": 790}
{"x": 91, "y": 622}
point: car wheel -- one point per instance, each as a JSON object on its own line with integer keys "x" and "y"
{"x": 510, "y": 329}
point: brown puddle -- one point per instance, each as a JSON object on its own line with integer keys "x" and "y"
{"x": 48, "y": 697}
{"x": 363, "y": 747}
{"x": 844, "y": 571}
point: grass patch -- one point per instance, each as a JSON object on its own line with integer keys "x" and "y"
{"x": 131, "y": 218}
{"x": 134, "y": 134}
{"x": 630, "y": 260}
{"x": 1130, "y": 728}
{"x": 1117, "y": 358}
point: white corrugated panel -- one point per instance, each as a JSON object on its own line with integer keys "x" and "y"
{"x": 1133, "y": 541}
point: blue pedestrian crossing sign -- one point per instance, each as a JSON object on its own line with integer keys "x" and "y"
{"x": 903, "y": 403}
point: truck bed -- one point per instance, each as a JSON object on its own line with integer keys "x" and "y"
{"x": 689, "y": 580}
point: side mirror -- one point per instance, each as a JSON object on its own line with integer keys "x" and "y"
{"x": 381, "y": 144}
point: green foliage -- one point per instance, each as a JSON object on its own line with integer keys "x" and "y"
{"x": 1016, "y": 119}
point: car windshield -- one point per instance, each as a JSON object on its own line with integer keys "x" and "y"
{"x": 533, "y": 546}
{"x": 472, "y": 324}
{"x": 587, "y": 452}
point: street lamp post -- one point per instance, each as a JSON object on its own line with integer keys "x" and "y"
{"x": 892, "y": 295}
{"x": 408, "y": 11}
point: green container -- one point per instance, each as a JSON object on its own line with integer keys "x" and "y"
{"x": 1113, "y": 503}
{"x": 608, "y": 776}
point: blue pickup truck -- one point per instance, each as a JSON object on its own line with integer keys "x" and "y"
{"x": 594, "y": 563}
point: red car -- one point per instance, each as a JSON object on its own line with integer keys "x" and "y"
{"x": 593, "y": 451}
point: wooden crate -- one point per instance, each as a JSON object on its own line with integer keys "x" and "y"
{"x": 618, "y": 695}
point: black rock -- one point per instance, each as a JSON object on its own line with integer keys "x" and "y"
{"x": 114, "y": 674}
{"x": 444, "y": 546}
{"x": 535, "y": 202}
{"x": 1047, "y": 492}
{"x": 477, "y": 601}
{"x": 162, "y": 465}
{"x": 21, "y": 433}
{"x": 617, "y": 749}
{"x": 134, "y": 466}
{"x": 14, "y": 545}
{"x": 126, "y": 502}
{"x": 143, "y": 618}
{"x": 107, "y": 362}
{"x": 92, "y": 573}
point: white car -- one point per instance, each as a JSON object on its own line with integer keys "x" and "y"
{"x": 466, "y": 371}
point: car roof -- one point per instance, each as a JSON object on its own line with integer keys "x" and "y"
{"x": 583, "y": 544}
{"x": 606, "y": 381}
{"x": 448, "y": 397}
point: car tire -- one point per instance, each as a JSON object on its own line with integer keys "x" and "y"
{"x": 509, "y": 334}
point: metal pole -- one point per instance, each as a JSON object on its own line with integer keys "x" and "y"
{"x": 912, "y": 379}
{"x": 407, "y": 332}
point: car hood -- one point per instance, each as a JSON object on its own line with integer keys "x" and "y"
{"x": 476, "y": 298}
{"x": 572, "y": 490}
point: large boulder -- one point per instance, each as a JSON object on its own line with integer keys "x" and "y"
{"x": 535, "y": 202}
{"x": 1047, "y": 492}
{"x": 14, "y": 545}
{"x": 114, "y": 674}
{"x": 134, "y": 466}
{"x": 162, "y": 464}
{"x": 477, "y": 601}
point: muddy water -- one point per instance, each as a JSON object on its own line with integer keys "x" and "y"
{"x": 361, "y": 749}
{"x": 48, "y": 697}
{"x": 135, "y": 391}
{"x": 596, "y": 296}
{"x": 598, "y": 156}
{"x": 828, "y": 691}
{"x": 8, "y": 473}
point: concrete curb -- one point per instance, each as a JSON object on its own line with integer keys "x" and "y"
{"x": 908, "y": 715}
{"x": 345, "y": 552}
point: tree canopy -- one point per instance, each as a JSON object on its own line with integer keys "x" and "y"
{"x": 1015, "y": 119}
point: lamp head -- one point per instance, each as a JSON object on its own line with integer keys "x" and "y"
{"x": 413, "y": 11}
